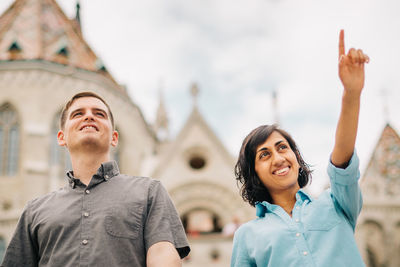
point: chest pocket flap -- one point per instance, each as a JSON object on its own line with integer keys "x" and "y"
{"x": 124, "y": 222}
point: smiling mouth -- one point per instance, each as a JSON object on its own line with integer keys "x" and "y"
{"x": 282, "y": 171}
{"x": 88, "y": 127}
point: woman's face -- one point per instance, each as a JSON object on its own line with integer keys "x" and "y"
{"x": 276, "y": 165}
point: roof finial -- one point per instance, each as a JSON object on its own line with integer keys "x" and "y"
{"x": 194, "y": 90}
{"x": 275, "y": 105}
{"x": 161, "y": 123}
{"x": 78, "y": 15}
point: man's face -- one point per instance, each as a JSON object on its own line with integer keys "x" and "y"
{"x": 88, "y": 126}
{"x": 276, "y": 165}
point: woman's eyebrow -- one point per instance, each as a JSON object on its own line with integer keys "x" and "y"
{"x": 279, "y": 142}
{"x": 262, "y": 149}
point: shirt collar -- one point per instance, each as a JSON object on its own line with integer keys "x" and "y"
{"x": 106, "y": 171}
{"x": 265, "y": 206}
{"x": 303, "y": 196}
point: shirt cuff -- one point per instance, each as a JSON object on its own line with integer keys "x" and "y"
{"x": 347, "y": 176}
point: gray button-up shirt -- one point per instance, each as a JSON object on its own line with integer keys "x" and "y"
{"x": 111, "y": 222}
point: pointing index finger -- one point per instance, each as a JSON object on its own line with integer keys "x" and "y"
{"x": 341, "y": 44}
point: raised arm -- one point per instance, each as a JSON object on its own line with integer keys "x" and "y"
{"x": 351, "y": 73}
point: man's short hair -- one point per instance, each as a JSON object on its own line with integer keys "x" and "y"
{"x": 64, "y": 112}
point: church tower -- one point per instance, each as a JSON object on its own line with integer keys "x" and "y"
{"x": 44, "y": 61}
{"x": 378, "y": 228}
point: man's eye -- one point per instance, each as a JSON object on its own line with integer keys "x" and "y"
{"x": 101, "y": 114}
{"x": 76, "y": 114}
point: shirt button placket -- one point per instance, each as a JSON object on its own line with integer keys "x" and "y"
{"x": 86, "y": 230}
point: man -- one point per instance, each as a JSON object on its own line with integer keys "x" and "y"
{"x": 102, "y": 218}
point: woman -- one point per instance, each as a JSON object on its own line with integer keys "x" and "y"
{"x": 293, "y": 229}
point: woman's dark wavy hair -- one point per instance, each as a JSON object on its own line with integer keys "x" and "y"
{"x": 252, "y": 189}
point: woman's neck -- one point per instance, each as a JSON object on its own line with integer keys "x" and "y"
{"x": 286, "y": 200}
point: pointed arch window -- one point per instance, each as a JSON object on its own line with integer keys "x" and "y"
{"x": 100, "y": 66}
{"x": 62, "y": 55}
{"x": 115, "y": 151}
{"x": 9, "y": 140}
{"x": 59, "y": 156}
{"x": 14, "y": 50}
{"x": 200, "y": 221}
{"x": 2, "y": 248}
{"x": 63, "y": 51}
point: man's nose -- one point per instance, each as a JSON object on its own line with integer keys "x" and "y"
{"x": 89, "y": 116}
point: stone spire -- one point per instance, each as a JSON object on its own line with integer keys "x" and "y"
{"x": 78, "y": 16}
{"x": 275, "y": 106}
{"x": 194, "y": 91}
{"x": 161, "y": 125}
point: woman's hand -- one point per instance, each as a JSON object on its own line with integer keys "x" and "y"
{"x": 351, "y": 73}
{"x": 351, "y": 67}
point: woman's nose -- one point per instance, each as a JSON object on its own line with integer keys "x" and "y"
{"x": 277, "y": 159}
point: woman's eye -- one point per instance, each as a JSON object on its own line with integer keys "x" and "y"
{"x": 282, "y": 147}
{"x": 100, "y": 114}
{"x": 263, "y": 154}
{"x": 76, "y": 114}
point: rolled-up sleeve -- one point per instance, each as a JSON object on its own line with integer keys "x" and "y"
{"x": 345, "y": 189}
{"x": 22, "y": 250}
{"x": 163, "y": 222}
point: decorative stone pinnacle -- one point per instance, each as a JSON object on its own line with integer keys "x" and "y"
{"x": 194, "y": 90}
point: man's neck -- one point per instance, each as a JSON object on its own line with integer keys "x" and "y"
{"x": 85, "y": 166}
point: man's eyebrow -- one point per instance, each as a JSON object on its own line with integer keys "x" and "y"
{"x": 100, "y": 109}
{"x": 75, "y": 110}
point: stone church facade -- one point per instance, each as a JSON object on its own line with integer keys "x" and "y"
{"x": 44, "y": 60}
{"x": 378, "y": 228}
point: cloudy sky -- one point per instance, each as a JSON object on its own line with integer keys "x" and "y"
{"x": 239, "y": 51}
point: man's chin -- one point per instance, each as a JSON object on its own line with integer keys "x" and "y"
{"x": 92, "y": 144}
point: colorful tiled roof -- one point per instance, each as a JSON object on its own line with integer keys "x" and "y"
{"x": 385, "y": 161}
{"x": 40, "y": 30}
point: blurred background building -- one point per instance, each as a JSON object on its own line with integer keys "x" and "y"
{"x": 44, "y": 60}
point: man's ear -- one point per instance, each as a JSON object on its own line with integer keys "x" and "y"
{"x": 61, "y": 138}
{"x": 114, "y": 139}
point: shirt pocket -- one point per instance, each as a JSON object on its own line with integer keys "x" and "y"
{"x": 320, "y": 215}
{"x": 123, "y": 222}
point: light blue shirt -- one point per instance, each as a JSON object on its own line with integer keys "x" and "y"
{"x": 320, "y": 232}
